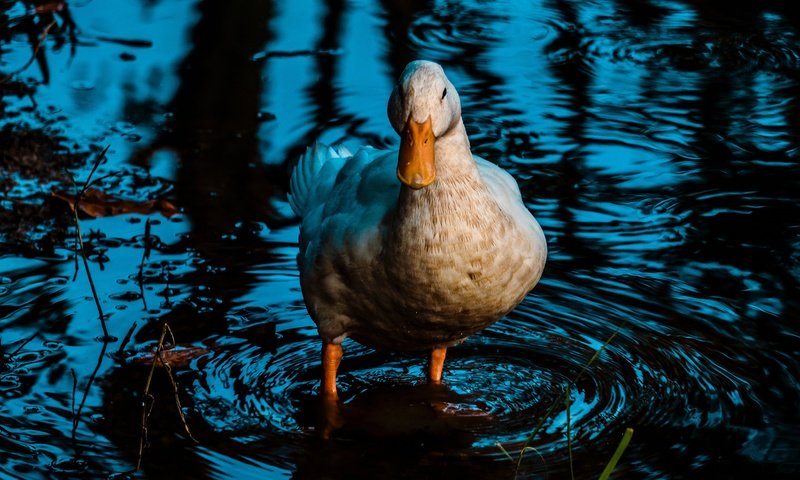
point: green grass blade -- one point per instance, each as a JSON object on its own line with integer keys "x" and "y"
{"x": 503, "y": 449}
{"x": 558, "y": 401}
{"x": 623, "y": 444}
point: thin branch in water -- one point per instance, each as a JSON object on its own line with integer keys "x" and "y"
{"x": 77, "y": 249}
{"x": 106, "y": 337}
{"x": 79, "y": 236}
{"x": 145, "y": 256}
{"x": 175, "y": 387}
{"x": 74, "y": 391}
{"x": 148, "y": 400}
{"x": 36, "y": 49}
{"x": 77, "y": 417}
{"x": 77, "y": 246}
{"x": 125, "y": 340}
{"x": 88, "y": 272}
{"x": 165, "y": 274}
{"x": 24, "y": 342}
{"x": 97, "y": 163}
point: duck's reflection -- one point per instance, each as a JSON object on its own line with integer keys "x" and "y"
{"x": 392, "y": 427}
{"x": 435, "y": 414}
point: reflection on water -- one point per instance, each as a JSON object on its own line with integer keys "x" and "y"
{"x": 655, "y": 141}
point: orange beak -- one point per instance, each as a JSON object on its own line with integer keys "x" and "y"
{"x": 415, "y": 163}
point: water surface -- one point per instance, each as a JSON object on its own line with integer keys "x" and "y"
{"x": 656, "y": 142}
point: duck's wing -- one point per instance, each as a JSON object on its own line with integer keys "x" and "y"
{"x": 346, "y": 201}
{"x": 313, "y": 176}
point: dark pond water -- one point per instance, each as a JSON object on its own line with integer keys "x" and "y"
{"x": 655, "y": 141}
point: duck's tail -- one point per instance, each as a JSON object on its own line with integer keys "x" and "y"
{"x": 314, "y": 175}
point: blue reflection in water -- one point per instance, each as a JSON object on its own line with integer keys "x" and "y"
{"x": 656, "y": 142}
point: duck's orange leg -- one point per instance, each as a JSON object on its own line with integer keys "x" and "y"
{"x": 331, "y": 413}
{"x": 331, "y": 357}
{"x": 436, "y": 364}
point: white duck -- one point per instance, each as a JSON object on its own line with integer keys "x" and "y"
{"x": 419, "y": 263}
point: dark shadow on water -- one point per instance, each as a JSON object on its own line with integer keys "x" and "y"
{"x": 421, "y": 430}
{"x": 436, "y": 415}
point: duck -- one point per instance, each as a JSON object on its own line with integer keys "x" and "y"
{"x": 412, "y": 249}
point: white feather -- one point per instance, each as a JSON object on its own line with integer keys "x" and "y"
{"x": 310, "y": 180}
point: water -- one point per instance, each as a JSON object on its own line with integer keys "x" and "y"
{"x": 656, "y": 142}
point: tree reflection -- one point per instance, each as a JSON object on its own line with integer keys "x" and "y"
{"x": 323, "y": 94}
{"x": 225, "y": 190}
{"x": 222, "y": 183}
{"x": 398, "y": 16}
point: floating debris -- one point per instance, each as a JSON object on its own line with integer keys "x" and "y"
{"x": 98, "y": 204}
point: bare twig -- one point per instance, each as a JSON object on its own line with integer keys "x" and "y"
{"x": 24, "y": 342}
{"x": 78, "y": 247}
{"x": 165, "y": 274}
{"x": 106, "y": 337}
{"x": 79, "y": 236}
{"x": 125, "y": 340}
{"x": 77, "y": 417}
{"x": 36, "y": 49}
{"x": 89, "y": 273}
{"x": 145, "y": 256}
{"x": 74, "y": 391}
{"x": 175, "y": 387}
{"x": 148, "y": 400}
{"x": 97, "y": 163}
{"x": 147, "y": 407}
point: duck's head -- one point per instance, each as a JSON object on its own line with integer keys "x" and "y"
{"x": 424, "y": 105}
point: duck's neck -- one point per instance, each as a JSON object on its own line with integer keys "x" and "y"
{"x": 458, "y": 184}
{"x": 453, "y": 156}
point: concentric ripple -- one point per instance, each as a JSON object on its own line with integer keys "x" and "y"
{"x": 499, "y": 385}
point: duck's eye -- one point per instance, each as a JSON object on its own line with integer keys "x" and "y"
{"x": 444, "y": 93}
